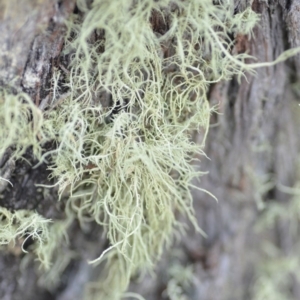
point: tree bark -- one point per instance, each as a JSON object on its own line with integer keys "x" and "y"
{"x": 252, "y": 145}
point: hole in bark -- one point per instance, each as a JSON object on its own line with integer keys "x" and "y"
{"x": 288, "y": 4}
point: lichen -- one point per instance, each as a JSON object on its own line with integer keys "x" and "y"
{"x": 273, "y": 276}
{"x": 124, "y": 152}
{"x": 23, "y": 225}
{"x": 128, "y": 164}
{"x": 21, "y": 123}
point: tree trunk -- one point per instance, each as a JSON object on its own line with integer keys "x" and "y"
{"x": 252, "y": 152}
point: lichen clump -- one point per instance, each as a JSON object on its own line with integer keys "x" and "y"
{"x": 21, "y": 123}
{"x": 137, "y": 90}
{"x": 23, "y": 225}
{"x": 138, "y": 81}
{"x": 273, "y": 276}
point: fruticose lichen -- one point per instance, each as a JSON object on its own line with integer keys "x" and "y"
{"x": 273, "y": 277}
{"x": 21, "y": 123}
{"x": 22, "y": 226}
{"x": 127, "y": 160}
{"x": 137, "y": 87}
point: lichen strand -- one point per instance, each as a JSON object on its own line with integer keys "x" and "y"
{"x": 124, "y": 133}
{"x": 21, "y": 124}
{"x": 21, "y": 226}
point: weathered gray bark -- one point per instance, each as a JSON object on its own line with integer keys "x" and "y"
{"x": 255, "y": 134}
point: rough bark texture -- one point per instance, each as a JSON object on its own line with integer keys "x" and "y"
{"x": 253, "y": 135}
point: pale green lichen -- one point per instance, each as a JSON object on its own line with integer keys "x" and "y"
{"x": 279, "y": 266}
{"x": 180, "y": 281}
{"x": 21, "y": 123}
{"x": 123, "y": 132}
{"x": 23, "y": 225}
{"x": 45, "y": 236}
{"x": 54, "y": 254}
{"x": 277, "y": 275}
{"x": 131, "y": 173}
